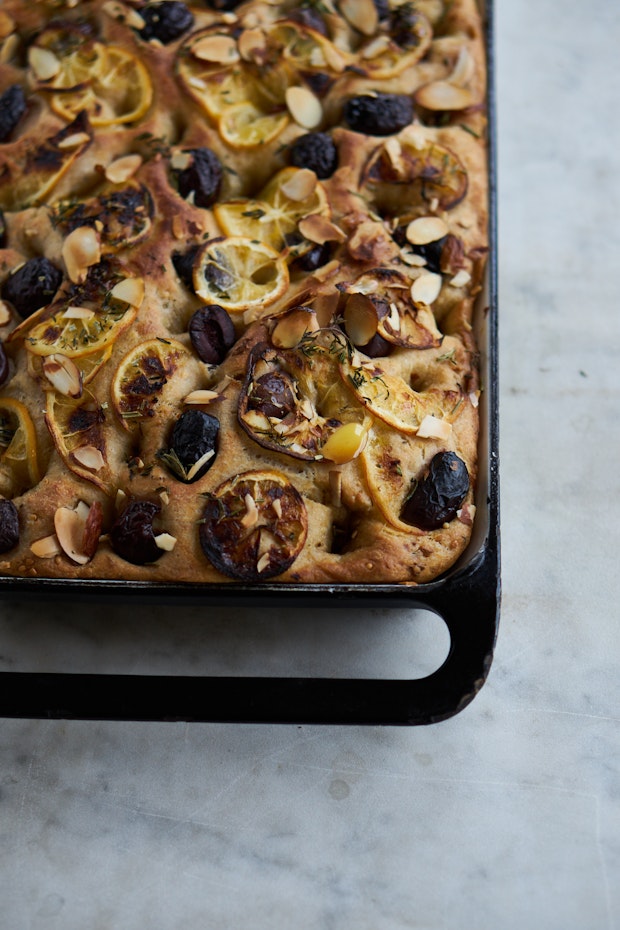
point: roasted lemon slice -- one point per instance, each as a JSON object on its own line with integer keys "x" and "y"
{"x": 387, "y": 396}
{"x": 307, "y": 49}
{"x": 142, "y": 376}
{"x": 245, "y": 126}
{"x": 274, "y": 215}
{"x": 109, "y": 83}
{"x": 77, "y": 428}
{"x": 122, "y": 215}
{"x": 19, "y": 465}
{"x": 254, "y": 526}
{"x": 388, "y": 54}
{"x": 239, "y": 273}
{"x": 65, "y": 334}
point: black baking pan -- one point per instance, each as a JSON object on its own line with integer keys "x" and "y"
{"x": 467, "y": 598}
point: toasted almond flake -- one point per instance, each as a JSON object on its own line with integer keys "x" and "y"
{"x": 120, "y": 500}
{"x": 317, "y": 228}
{"x": 197, "y": 82}
{"x": 46, "y": 548}
{"x": 178, "y": 226}
{"x": 300, "y": 185}
{"x": 360, "y": 319}
{"x": 322, "y": 274}
{"x": 304, "y": 107}
{"x": 63, "y": 374}
{"x": 129, "y": 290}
{"x": 7, "y": 24}
{"x": 325, "y": 306}
{"x": 292, "y": 327}
{"x": 474, "y": 398}
{"x": 164, "y": 497}
{"x": 415, "y": 135}
{"x": 461, "y": 278}
{"x": 394, "y": 318}
{"x": 375, "y": 48}
{"x": 5, "y": 313}
{"x": 410, "y": 258}
{"x": 43, "y": 62}
{"x": 252, "y": 44}
{"x": 80, "y": 250}
{"x": 78, "y": 313}
{"x": 441, "y": 95}
{"x": 426, "y": 229}
{"x": 220, "y": 49}
{"x": 250, "y": 518}
{"x": 9, "y": 48}
{"x": 74, "y": 140}
{"x": 263, "y": 562}
{"x": 181, "y": 160}
{"x": 434, "y": 428}
{"x": 90, "y": 457}
{"x": 198, "y": 465}
{"x": 123, "y": 168}
{"x": 69, "y": 526}
{"x": 125, "y": 14}
{"x": 426, "y": 288}
{"x": 463, "y": 69}
{"x": 335, "y": 487}
{"x": 361, "y": 14}
{"x": 82, "y": 509}
{"x": 165, "y": 541}
{"x": 277, "y": 506}
{"x": 201, "y": 397}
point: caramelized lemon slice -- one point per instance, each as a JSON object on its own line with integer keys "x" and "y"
{"x": 239, "y": 273}
{"x": 142, "y": 376}
{"x": 77, "y": 428}
{"x": 65, "y": 334}
{"x": 245, "y": 126}
{"x": 19, "y": 465}
{"x": 275, "y": 214}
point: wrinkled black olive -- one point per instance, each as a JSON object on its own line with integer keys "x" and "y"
{"x": 9, "y": 526}
{"x": 383, "y": 8}
{"x": 380, "y": 115}
{"x": 12, "y": 108}
{"x": 212, "y": 333}
{"x": 194, "y": 434}
{"x": 377, "y": 347}
{"x": 315, "y": 258}
{"x": 4, "y": 365}
{"x": 184, "y": 265}
{"x": 310, "y": 17}
{"x": 132, "y": 535}
{"x": 165, "y": 21}
{"x": 316, "y": 151}
{"x": 32, "y": 286}
{"x": 402, "y": 26}
{"x": 2, "y": 230}
{"x": 272, "y": 395}
{"x": 203, "y": 177}
{"x": 439, "y": 495}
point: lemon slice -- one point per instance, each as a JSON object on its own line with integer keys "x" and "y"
{"x": 386, "y": 396}
{"x": 245, "y": 126}
{"x": 109, "y": 83}
{"x": 89, "y": 366}
{"x": 238, "y": 273}
{"x": 19, "y": 465}
{"x": 142, "y": 376}
{"x": 308, "y": 50}
{"x": 275, "y": 215}
{"x": 64, "y": 334}
{"x": 123, "y": 215}
{"x": 77, "y": 429}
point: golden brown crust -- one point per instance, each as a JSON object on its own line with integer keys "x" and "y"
{"x": 352, "y": 430}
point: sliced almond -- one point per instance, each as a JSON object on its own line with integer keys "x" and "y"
{"x": 277, "y": 506}
{"x": 426, "y": 229}
{"x": 426, "y": 288}
{"x": 63, "y": 374}
{"x": 78, "y": 313}
{"x": 5, "y": 313}
{"x": 123, "y": 168}
{"x": 201, "y": 397}
{"x": 74, "y": 140}
{"x": 393, "y": 318}
{"x": 9, "y": 48}
{"x": 80, "y": 250}
{"x": 463, "y": 69}
{"x": 120, "y": 500}
{"x": 317, "y": 228}
{"x": 198, "y": 465}
{"x": 7, "y": 24}
{"x": 220, "y": 49}
{"x": 263, "y": 562}
{"x": 69, "y": 526}
{"x": 434, "y": 428}
{"x": 325, "y": 306}
{"x": 46, "y": 548}
{"x": 441, "y": 95}
{"x": 293, "y": 326}
{"x": 361, "y": 14}
{"x": 252, "y": 44}
{"x": 165, "y": 541}
{"x": 250, "y": 518}
{"x": 125, "y": 14}
{"x": 461, "y": 278}
{"x": 43, "y": 62}
{"x": 129, "y": 290}
{"x": 300, "y": 185}
{"x": 375, "y": 48}
{"x": 181, "y": 160}
{"x": 360, "y": 319}
{"x": 304, "y": 107}
{"x": 178, "y": 226}
{"x": 90, "y": 457}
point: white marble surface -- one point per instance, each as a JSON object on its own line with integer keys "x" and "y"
{"x": 507, "y": 816}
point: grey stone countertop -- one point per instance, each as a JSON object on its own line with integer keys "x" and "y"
{"x": 507, "y": 815}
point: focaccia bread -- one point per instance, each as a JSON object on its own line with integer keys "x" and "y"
{"x": 240, "y": 247}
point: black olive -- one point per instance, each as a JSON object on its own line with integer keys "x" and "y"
{"x": 132, "y": 535}
{"x": 203, "y": 176}
{"x": 272, "y": 395}
{"x": 404, "y": 25}
{"x": 223, "y": 5}
{"x": 194, "y": 435}
{"x": 212, "y": 333}
{"x": 383, "y": 8}
{"x": 12, "y": 108}
{"x": 309, "y": 17}
{"x": 9, "y": 526}
{"x": 380, "y": 115}
{"x": 184, "y": 265}
{"x": 439, "y": 495}
{"x": 32, "y": 286}
{"x": 4, "y": 365}
{"x": 316, "y": 151}
{"x": 377, "y": 347}
{"x": 2, "y": 230}
{"x": 318, "y": 256}
{"x": 165, "y": 21}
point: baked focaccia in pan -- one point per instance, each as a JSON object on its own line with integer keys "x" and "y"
{"x": 240, "y": 247}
